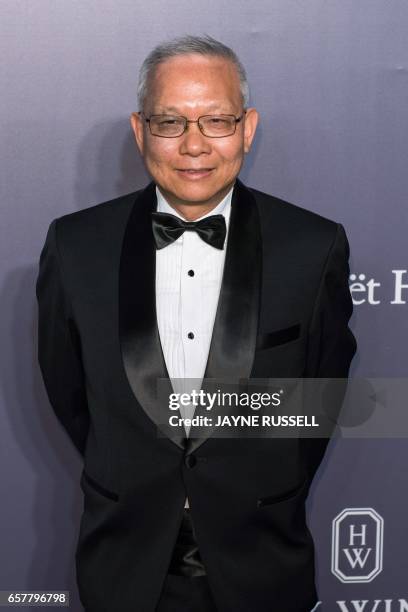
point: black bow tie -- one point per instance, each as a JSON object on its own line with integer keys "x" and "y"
{"x": 167, "y": 228}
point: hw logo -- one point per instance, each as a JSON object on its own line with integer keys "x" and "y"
{"x": 357, "y": 545}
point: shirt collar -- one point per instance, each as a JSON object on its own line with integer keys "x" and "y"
{"x": 223, "y": 208}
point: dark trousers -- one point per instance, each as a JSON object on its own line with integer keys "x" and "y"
{"x": 186, "y": 586}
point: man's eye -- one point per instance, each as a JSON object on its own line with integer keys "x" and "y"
{"x": 218, "y": 122}
{"x": 169, "y": 122}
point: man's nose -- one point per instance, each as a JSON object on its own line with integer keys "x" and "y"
{"x": 193, "y": 142}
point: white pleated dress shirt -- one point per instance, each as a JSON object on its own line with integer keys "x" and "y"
{"x": 188, "y": 282}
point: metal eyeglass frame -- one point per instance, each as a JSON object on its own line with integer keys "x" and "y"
{"x": 187, "y": 121}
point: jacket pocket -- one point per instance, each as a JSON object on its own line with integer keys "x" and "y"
{"x": 276, "y": 499}
{"x": 99, "y": 488}
{"x": 280, "y": 336}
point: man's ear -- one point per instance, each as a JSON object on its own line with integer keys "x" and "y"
{"x": 136, "y": 122}
{"x": 250, "y": 123}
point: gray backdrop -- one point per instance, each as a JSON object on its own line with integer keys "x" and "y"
{"x": 330, "y": 80}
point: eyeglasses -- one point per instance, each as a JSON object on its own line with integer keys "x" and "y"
{"x": 213, "y": 126}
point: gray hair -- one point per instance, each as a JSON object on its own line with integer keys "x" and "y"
{"x": 185, "y": 45}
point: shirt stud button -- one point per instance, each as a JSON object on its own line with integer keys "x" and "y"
{"x": 190, "y": 335}
{"x": 191, "y": 272}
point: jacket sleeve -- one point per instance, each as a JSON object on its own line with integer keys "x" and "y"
{"x": 331, "y": 345}
{"x": 59, "y": 349}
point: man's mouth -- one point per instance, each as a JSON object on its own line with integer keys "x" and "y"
{"x": 195, "y": 172}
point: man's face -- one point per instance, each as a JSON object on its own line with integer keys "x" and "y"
{"x": 192, "y": 86}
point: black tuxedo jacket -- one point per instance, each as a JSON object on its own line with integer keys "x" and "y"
{"x": 283, "y": 311}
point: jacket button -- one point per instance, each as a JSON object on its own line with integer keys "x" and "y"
{"x": 190, "y": 461}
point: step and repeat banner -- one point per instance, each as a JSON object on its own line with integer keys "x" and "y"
{"x": 330, "y": 81}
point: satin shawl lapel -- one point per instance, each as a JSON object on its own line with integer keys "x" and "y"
{"x": 232, "y": 348}
{"x": 138, "y": 331}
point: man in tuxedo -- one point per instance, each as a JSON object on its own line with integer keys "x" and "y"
{"x": 194, "y": 277}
